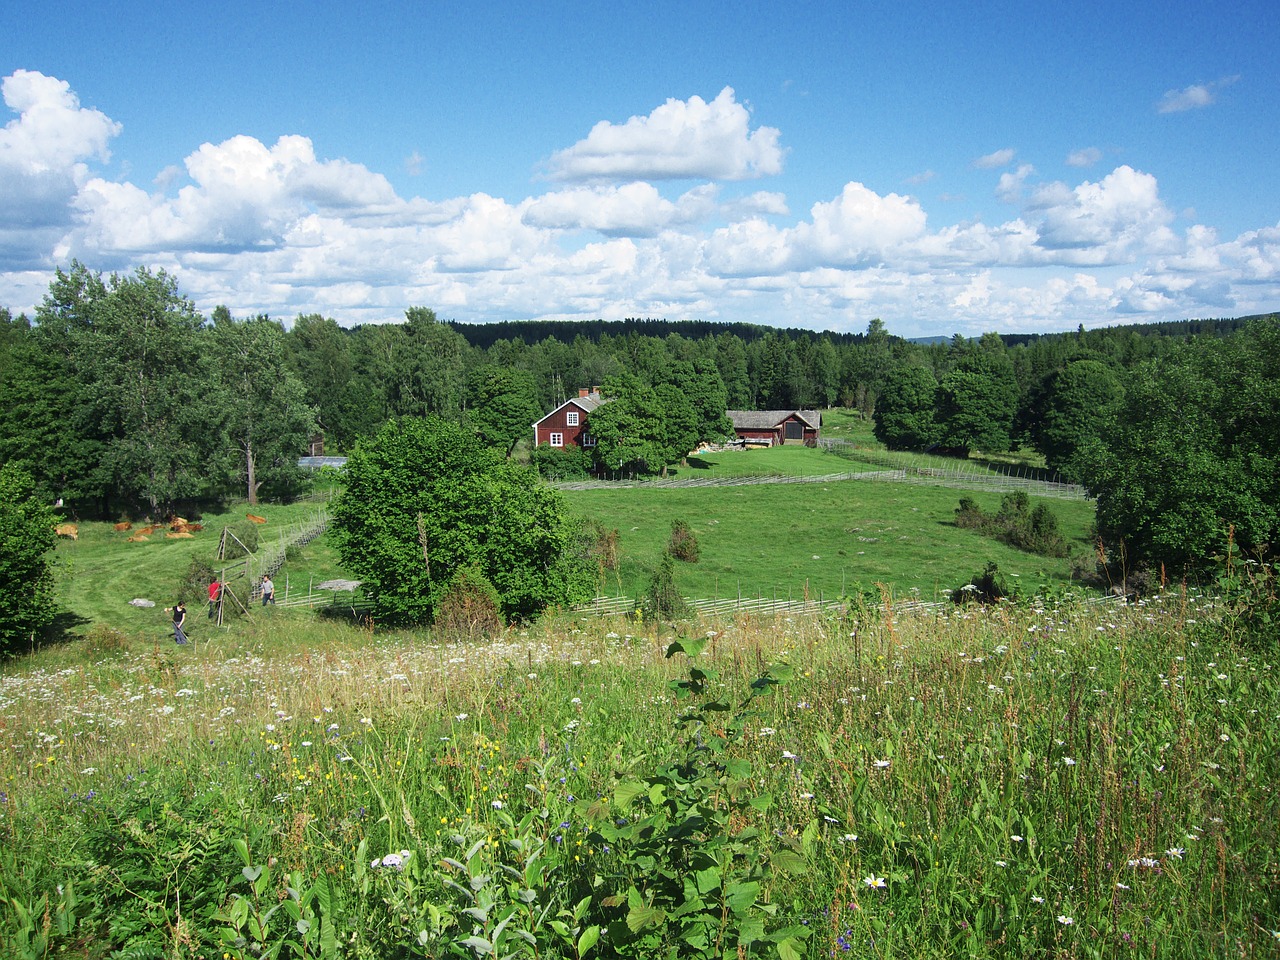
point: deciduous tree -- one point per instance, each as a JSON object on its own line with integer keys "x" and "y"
{"x": 26, "y": 573}
{"x": 424, "y": 498}
{"x": 264, "y": 412}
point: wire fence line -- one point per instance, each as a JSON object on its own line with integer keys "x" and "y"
{"x": 623, "y": 605}
{"x": 949, "y": 472}
{"x": 938, "y": 472}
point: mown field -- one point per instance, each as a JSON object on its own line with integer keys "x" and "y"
{"x": 820, "y": 540}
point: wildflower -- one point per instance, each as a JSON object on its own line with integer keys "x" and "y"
{"x": 788, "y": 755}
{"x": 1069, "y": 761}
{"x": 1015, "y": 838}
{"x": 1122, "y": 886}
{"x": 874, "y": 882}
{"x": 497, "y": 804}
{"x": 367, "y": 721}
{"x": 1001, "y": 863}
{"x": 1037, "y": 899}
{"x": 849, "y": 838}
{"x": 881, "y": 764}
{"x": 460, "y": 717}
{"x": 1065, "y": 921}
{"x": 1175, "y": 852}
{"x": 1223, "y": 737}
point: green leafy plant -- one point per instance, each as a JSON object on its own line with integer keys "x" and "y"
{"x": 268, "y": 922}
{"x": 691, "y": 866}
{"x": 1250, "y": 607}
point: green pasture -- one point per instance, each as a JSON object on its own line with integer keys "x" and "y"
{"x": 101, "y": 571}
{"x": 822, "y": 539}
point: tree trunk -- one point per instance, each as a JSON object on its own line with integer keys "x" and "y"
{"x": 249, "y": 472}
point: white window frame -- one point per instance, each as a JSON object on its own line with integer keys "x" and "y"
{"x": 587, "y": 440}
{"x": 571, "y": 418}
{"x": 557, "y": 439}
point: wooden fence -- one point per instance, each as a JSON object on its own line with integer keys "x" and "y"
{"x": 891, "y": 468}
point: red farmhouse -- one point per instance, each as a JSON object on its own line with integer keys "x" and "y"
{"x": 770, "y": 428}
{"x": 566, "y": 425}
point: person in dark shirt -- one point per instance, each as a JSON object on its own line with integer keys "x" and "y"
{"x": 179, "y": 621}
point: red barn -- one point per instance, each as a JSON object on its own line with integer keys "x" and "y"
{"x": 770, "y": 428}
{"x": 566, "y": 425}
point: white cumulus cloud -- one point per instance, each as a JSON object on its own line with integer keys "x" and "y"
{"x": 992, "y": 161}
{"x": 1194, "y": 97}
{"x": 678, "y": 140}
{"x": 1111, "y": 221}
{"x": 42, "y": 154}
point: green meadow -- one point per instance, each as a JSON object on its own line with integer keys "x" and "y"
{"x": 1057, "y": 776}
{"x": 817, "y": 540}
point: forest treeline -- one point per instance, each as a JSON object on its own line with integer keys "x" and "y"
{"x": 118, "y": 397}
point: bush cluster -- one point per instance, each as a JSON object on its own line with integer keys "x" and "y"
{"x": 1016, "y": 523}
{"x": 683, "y": 545}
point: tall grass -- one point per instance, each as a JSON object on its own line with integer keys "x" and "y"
{"x": 1051, "y": 778}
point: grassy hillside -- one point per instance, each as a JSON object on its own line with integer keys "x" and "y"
{"x": 1040, "y": 780}
{"x": 784, "y": 539}
{"x": 101, "y": 571}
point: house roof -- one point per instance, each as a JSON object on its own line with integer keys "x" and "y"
{"x": 770, "y": 419}
{"x": 585, "y": 404}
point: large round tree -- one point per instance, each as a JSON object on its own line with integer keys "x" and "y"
{"x": 425, "y": 499}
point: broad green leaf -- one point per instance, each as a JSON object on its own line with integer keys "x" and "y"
{"x": 625, "y": 793}
{"x": 589, "y": 938}
{"x": 789, "y": 862}
{"x": 638, "y": 918}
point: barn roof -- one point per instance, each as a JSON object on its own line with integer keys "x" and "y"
{"x": 769, "y": 419}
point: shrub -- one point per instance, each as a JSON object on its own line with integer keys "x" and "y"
{"x": 683, "y": 545}
{"x": 969, "y": 515}
{"x": 469, "y": 608}
{"x": 1016, "y": 524}
{"x": 555, "y": 463}
{"x": 989, "y": 586}
{"x": 603, "y": 546}
{"x": 662, "y": 601}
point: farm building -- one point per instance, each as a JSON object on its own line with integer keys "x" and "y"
{"x": 769, "y": 428}
{"x": 566, "y": 425}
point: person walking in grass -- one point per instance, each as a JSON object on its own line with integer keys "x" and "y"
{"x": 179, "y": 622}
{"x": 268, "y": 591}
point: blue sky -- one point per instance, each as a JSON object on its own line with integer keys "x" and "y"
{"x": 948, "y": 168}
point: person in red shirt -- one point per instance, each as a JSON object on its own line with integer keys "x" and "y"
{"x": 215, "y": 594}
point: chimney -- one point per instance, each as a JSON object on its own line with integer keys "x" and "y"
{"x": 583, "y": 392}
